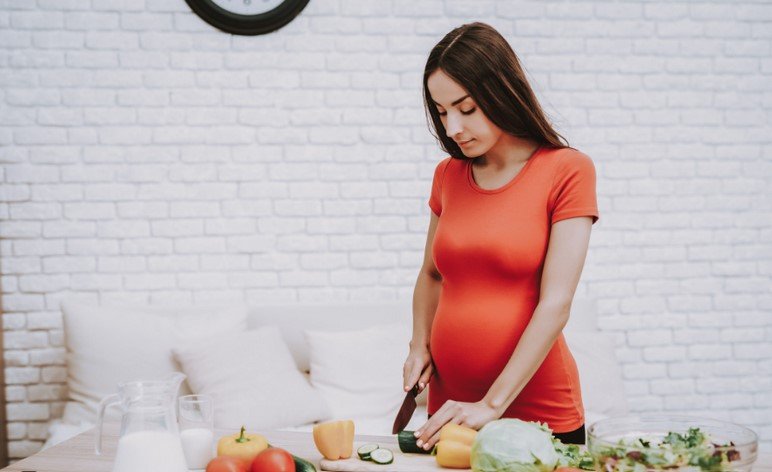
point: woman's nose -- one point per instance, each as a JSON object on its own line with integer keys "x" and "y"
{"x": 453, "y": 126}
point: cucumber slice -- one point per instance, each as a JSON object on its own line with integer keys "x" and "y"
{"x": 382, "y": 456}
{"x": 407, "y": 443}
{"x": 364, "y": 451}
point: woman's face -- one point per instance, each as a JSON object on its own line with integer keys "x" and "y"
{"x": 463, "y": 120}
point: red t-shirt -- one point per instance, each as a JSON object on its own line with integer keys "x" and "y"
{"x": 490, "y": 247}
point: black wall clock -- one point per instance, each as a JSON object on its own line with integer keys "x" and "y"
{"x": 247, "y": 17}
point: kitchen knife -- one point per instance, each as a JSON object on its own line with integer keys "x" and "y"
{"x": 405, "y": 411}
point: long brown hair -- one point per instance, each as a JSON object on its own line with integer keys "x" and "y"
{"x": 477, "y": 57}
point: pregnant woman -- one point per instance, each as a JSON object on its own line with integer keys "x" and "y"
{"x": 511, "y": 214}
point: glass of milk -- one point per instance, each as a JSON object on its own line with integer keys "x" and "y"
{"x": 196, "y": 418}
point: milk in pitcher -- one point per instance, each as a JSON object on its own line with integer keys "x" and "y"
{"x": 149, "y": 451}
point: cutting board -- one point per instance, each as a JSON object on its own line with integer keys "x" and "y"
{"x": 402, "y": 463}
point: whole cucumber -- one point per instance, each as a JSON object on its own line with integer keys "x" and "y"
{"x": 302, "y": 465}
{"x": 407, "y": 443}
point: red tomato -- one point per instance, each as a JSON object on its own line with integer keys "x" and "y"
{"x": 227, "y": 464}
{"x": 273, "y": 459}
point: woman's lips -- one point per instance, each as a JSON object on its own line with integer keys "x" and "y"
{"x": 464, "y": 143}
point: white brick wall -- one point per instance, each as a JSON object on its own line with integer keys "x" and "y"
{"x": 146, "y": 156}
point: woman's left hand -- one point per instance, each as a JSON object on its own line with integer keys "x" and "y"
{"x": 472, "y": 415}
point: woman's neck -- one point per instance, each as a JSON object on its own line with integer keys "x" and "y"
{"x": 508, "y": 151}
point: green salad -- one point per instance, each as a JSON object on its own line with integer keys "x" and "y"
{"x": 570, "y": 455}
{"x": 693, "y": 450}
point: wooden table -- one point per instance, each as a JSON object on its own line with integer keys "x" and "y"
{"x": 77, "y": 454}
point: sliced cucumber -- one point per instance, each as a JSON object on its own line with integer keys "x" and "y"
{"x": 382, "y": 456}
{"x": 407, "y": 443}
{"x": 364, "y": 451}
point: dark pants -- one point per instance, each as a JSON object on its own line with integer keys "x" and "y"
{"x": 576, "y": 436}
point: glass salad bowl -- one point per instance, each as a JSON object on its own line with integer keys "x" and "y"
{"x": 673, "y": 443}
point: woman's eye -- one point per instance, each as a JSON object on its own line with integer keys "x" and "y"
{"x": 443, "y": 113}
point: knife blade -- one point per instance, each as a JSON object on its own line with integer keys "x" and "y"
{"x": 405, "y": 411}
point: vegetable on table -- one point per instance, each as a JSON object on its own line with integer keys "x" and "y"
{"x": 407, "y": 443}
{"x": 302, "y": 465}
{"x": 454, "y": 449}
{"x": 242, "y": 445}
{"x": 365, "y": 450}
{"x": 512, "y": 445}
{"x": 372, "y": 452}
{"x": 453, "y": 455}
{"x": 458, "y": 433}
{"x": 692, "y": 449}
{"x": 227, "y": 464}
{"x": 572, "y": 458}
{"x": 273, "y": 459}
{"x": 382, "y": 456}
{"x": 335, "y": 439}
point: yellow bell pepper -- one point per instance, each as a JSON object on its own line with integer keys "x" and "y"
{"x": 335, "y": 439}
{"x": 454, "y": 455}
{"x": 454, "y": 449}
{"x": 456, "y": 432}
{"x": 242, "y": 445}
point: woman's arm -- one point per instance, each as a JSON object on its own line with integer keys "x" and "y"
{"x": 563, "y": 265}
{"x": 569, "y": 240}
{"x": 418, "y": 367}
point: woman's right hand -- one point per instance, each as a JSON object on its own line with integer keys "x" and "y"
{"x": 418, "y": 368}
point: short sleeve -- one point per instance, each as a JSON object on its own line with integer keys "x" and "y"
{"x": 435, "y": 199}
{"x": 573, "y": 189}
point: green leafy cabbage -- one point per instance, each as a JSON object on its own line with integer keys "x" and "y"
{"x": 511, "y": 445}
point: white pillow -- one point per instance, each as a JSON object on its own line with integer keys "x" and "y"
{"x": 600, "y": 376}
{"x": 109, "y": 344}
{"x": 359, "y": 373}
{"x": 254, "y": 381}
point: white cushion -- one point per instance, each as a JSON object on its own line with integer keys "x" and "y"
{"x": 253, "y": 379}
{"x": 292, "y": 319}
{"x": 107, "y": 345}
{"x": 359, "y": 373}
{"x": 600, "y": 376}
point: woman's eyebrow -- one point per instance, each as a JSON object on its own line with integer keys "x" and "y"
{"x": 456, "y": 102}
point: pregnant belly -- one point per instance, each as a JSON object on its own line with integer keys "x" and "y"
{"x": 472, "y": 340}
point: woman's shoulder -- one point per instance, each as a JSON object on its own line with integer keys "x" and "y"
{"x": 444, "y": 163}
{"x": 567, "y": 156}
{"x": 442, "y": 167}
{"x": 568, "y": 160}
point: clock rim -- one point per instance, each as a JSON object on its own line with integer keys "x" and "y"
{"x": 247, "y": 25}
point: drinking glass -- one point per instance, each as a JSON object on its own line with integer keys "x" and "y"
{"x": 196, "y": 418}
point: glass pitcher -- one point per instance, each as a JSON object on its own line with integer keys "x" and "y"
{"x": 149, "y": 440}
